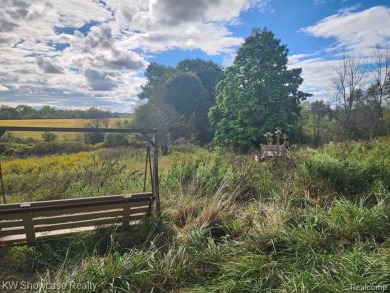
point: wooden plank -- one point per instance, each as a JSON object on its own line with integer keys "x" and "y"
{"x": 86, "y": 223}
{"x": 57, "y": 212}
{"x": 15, "y": 217}
{"x": 4, "y": 207}
{"x": 136, "y": 218}
{"x": 76, "y": 217}
{"x": 140, "y": 194}
{"x": 13, "y": 239}
{"x": 76, "y": 205}
{"x": 140, "y": 210}
{"x": 12, "y": 231}
{"x": 76, "y": 201}
{"x": 8, "y": 217}
{"x": 134, "y": 221}
{"x": 9, "y": 224}
{"x": 21, "y": 238}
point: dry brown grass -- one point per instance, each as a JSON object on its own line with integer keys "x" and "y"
{"x": 47, "y": 123}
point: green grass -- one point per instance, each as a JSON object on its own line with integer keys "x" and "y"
{"x": 230, "y": 225}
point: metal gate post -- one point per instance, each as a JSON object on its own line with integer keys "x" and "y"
{"x": 155, "y": 172}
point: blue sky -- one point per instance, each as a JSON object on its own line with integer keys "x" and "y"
{"x": 78, "y": 54}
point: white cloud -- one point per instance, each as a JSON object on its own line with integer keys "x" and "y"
{"x": 316, "y": 74}
{"x": 44, "y": 54}
{"x": 356, "y": 33}
{"x": 3, "y": 88}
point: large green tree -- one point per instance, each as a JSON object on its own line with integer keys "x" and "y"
{"x": 187, "y": 89}
{"x": 258, "y": 92}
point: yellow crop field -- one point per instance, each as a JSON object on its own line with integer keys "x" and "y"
{"x": 48, "y": 123}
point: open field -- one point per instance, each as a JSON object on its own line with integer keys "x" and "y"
{"x": 48, "y": 123}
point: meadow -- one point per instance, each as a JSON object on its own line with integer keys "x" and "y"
{"x": 318, "y": 222}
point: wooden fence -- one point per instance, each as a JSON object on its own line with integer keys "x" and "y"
{"x": 26, "y": 222}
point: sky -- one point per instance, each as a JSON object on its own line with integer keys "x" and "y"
{"x": 77, "y": 54}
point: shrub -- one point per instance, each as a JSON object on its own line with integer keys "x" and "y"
{"x": 115, "y": 140}
{"x": 49, "y": 136}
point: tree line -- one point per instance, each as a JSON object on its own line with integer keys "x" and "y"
{"x": 360, "y": 91}
{"x": 47, "y": 112}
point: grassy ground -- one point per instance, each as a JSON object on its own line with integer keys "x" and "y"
{"x": 316, "y": 223}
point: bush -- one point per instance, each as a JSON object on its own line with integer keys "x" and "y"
{"x": 49, "y": 136}
{"x": 94, "y": 137}
{"x": 115, "y": 140}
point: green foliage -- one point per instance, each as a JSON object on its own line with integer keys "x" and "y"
{"x": 208, "y": 72}
{"x": 179, "y": 99}
{"x": 184, "y": 92}
{"x": 49, "y": 136}
{"x": 115, "y": 140}
{"x": 93, "y": 137}
{"x": 258, "y": 92}
{"x": 361, "y": 172}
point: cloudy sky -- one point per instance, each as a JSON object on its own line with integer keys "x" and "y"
{"x": 78, "y": 54}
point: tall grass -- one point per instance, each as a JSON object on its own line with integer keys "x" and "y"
{"x": 101, "y": 172}
{"x": 232, "y": 225}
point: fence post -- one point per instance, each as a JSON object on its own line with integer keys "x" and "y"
{"x": 155, "y": 172}
{"x": 28, "y": 223}
{"x": 2, "y": 184}
{"x": 126, "y": 214}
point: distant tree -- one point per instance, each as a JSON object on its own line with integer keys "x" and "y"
{"x": 379, "y": 75}
{"x": 258, "y": 92}
{"x": 8, "y": 113}
{"x": 95, "y": 119}
{"x": 47, "y": 112}
{"x": 319, "y": 110}
{"x": 25, "y": 112}
{"x": 363, "y": 121}
{"x": 346, "y": 87}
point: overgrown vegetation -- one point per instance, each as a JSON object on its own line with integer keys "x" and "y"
{"x": 318, "y": 222}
